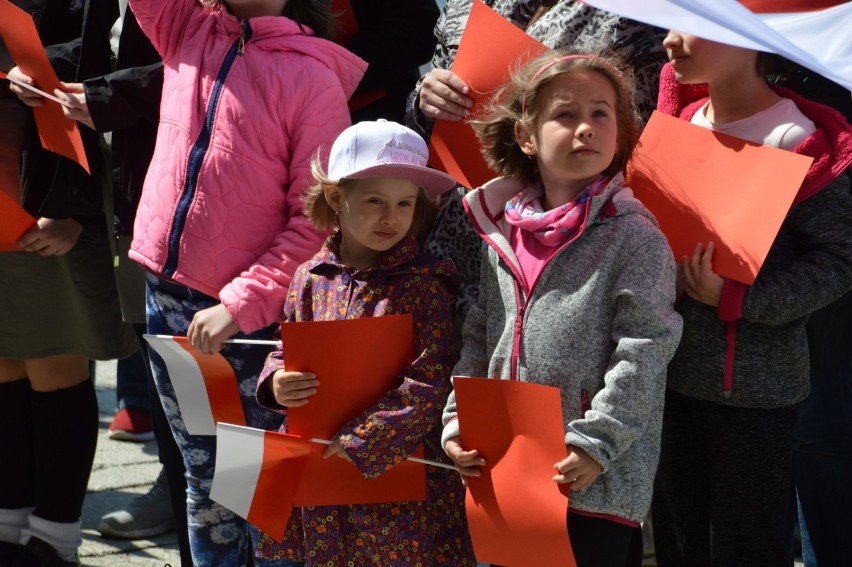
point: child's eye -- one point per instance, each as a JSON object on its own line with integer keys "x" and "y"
{"x": 406, "y": 204}
{"x": 600, "y": 114}
{"x": 375, "y": 201}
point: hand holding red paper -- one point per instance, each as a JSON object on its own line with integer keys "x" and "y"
{"x": 293, "y": 389}
{"x": 444, "y": 95}
{"x": 57, "y": 133}
{"x": 31, "y": 97}
{"x": 701, "y": 283}
{"x": 51, "y": 237}
{"x": 74, "y": 105}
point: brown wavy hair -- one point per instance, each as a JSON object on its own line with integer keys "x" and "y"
{"x": 519, "y": 101}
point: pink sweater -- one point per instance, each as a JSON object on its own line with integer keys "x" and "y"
{"x": 245, "y": 107}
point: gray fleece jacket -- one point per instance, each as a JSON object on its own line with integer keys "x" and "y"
{"x": 599, "y": 324}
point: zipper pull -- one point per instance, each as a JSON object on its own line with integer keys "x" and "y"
{"x": 241, "y": 48}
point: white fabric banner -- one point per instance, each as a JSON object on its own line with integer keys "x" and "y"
{"x": 819, "y": 40}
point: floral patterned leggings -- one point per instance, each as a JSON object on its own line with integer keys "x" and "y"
{"x": 217, "y": 536}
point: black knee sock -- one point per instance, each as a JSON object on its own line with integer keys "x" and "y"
{"x": 65, "y": 433}
{"x": 16, "y": 445}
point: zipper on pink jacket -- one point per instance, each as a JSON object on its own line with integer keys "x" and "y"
{"x": 199, "y": 150}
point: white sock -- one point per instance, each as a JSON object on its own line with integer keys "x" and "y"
{"x": 64, "y": 537}
{"x": 12, "y": 521}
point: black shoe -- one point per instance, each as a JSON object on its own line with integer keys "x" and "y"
{"x": 8, "y": 552}
{"x": 39, "y": 553}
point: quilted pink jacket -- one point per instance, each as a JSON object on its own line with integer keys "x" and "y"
{"x": 246, "y": 104}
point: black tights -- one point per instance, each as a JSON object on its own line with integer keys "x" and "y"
{"x": 47, "y": 441}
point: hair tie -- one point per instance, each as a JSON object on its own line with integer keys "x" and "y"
{"x": 550, "y": 64}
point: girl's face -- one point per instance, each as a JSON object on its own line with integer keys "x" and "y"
{"x": 375, "y": 214}
{"x": 575, "y": 134}
{"x": 696, "y": 60}
{"x": 256, "y": 8}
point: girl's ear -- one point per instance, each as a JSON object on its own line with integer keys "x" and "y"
{"x": 524, "y": 139}
{"x": 332, "y": 197}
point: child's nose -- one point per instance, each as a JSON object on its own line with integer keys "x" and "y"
{"x": 671, "y": 39}
{"x": 584, "y": 130}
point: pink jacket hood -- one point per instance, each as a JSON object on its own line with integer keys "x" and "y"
{"x": 246, "y": 105}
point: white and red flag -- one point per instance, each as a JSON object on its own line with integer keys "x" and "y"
{"x": 257, "y": 474}
{"x": 813, "y": 33}
{"x": 205, "y": 385}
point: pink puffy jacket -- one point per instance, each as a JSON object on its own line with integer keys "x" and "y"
{"x": 246, "y": 104}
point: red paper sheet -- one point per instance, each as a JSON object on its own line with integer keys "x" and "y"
{"x": 517, "y": 428}
{"x": 490, "y": 48}
{"x": 356, "y": 362}
{"x": 705, "y": 186}
{"x": 14, "y": 223}
{"x": 58, "y": 134}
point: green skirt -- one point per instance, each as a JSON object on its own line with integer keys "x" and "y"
{"x": 54, "y": 305}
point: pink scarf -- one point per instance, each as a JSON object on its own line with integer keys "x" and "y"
{"x": 555, "y": 226}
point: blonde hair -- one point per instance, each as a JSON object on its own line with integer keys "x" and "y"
{"x": 324, "y": 217}
{"x": 519, "y": 101}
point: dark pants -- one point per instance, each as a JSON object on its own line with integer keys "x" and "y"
{"x": 723, "y": 495}
{"x": 823, "y": 468}
{"x": 598, "y": 542}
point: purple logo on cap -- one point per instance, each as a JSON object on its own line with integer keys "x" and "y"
{"x": 400, "y": 152}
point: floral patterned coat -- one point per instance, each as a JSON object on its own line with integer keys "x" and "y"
{"x": 432, "y": 532}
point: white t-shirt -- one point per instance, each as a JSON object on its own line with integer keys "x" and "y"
{"x": 781, "y": 125}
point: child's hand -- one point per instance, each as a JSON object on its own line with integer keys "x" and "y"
{"x": 467, "y": 462}
{"x": 578, "y": 468}
{"x": 292, "y": 389}
{"x": 210, "y": 328}
{"x": 336, "y": 450}
{"x": 51, "y": 237}
{"x": 702, "y": 284}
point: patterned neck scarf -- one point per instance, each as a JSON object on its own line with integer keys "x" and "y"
{"x": 556, "y": 226}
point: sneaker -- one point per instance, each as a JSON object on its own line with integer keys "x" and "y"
{"x": 39, "y": 553}
{"x": 146, "y": 516}
{"x": 131, "y": 424}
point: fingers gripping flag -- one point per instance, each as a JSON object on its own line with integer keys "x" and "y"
{"x": 205, "y": 385}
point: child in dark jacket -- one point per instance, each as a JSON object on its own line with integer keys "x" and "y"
{"x": 723, "y": 491}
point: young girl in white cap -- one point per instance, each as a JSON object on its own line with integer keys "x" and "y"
{"x": 377, "y": 198}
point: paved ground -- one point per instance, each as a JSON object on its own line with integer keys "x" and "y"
{"x": 122, "y": 470}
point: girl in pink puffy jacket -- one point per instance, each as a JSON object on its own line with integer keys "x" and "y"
{"x": 251, "y": 90}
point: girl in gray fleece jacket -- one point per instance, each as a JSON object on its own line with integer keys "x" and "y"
{"x": 577, "y": 291}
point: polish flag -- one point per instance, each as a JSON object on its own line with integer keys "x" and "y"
{"x": 257, "y": 474}
{"x": 812, "y": 33}
{"x": 205, "y": 385}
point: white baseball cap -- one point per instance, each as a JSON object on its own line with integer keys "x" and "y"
{"x": 385, "y": 149}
